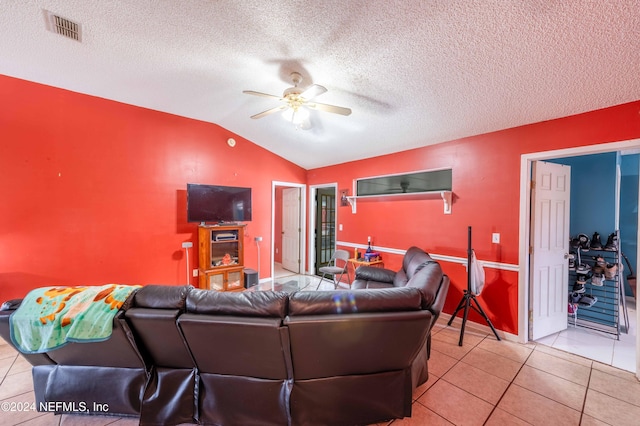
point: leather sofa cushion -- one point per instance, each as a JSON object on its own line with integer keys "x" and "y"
{"x": 237, "y": 345}
{"x": 414, "y": 260}
{"x": 365, "y": 284}
{"x": 371, "y": 273}
{"x": 148, "y": 324}
{"x": 161, "y": 297}
{"x": 248, "y": 303}
{"x": 356, "y": 343}
{"x": 400, "y": 279}
{"x": 427, "y": 279}
{"x": 361, "y": 301}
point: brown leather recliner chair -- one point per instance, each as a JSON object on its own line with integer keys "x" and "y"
{"x": 241, "y": 349}
{"x": 107, "y": 377}
{"x": 169, "y": 397}
{"x": 355, "y": 354}
{"x": 418, "y": 270}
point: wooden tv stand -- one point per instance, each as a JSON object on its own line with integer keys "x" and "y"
{"x": 221, "y": 257}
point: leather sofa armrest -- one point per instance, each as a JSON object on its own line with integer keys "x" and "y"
{"x": 371, "y": 273}
{"x": 11, "y": 305}
{"x": 441, "y": 296}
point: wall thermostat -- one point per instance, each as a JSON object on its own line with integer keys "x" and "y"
{"x": 231, "y": 142}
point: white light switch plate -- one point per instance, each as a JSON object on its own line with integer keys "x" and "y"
{"x": 495, "y": 238}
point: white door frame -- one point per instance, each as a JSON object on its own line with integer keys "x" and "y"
{"x": 524, "y": 231}
{"x": 303, "y": 221}
{"x": 313, "y": 192}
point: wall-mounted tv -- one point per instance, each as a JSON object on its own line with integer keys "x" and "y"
{"x": 215, "y": 203}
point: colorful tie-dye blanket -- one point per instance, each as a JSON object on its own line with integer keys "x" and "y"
{"x": 50, "y": 317}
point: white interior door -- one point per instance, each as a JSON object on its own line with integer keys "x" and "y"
{"x": 549, "y": 279}
{"x": 291, "y": 229}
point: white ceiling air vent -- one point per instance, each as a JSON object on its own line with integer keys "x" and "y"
{"x": 63, "y": 26}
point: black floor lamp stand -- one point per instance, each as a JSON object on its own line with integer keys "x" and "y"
{"x": 469, "y": 299}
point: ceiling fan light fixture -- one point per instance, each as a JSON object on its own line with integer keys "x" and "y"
{"x": 298, "y": 115}
{"x": 296, "y": 103}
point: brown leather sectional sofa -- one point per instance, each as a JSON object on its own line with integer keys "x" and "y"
{"x": 183, "y": 355}
{"x": 419, "y": 271}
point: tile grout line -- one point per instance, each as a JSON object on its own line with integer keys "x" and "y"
{"x": 9, "y": 369}
{"x": 590, "y": 367}
{"x": 55, "y": 416}
{"x": 507, "y": 389}
{"x": 458, "y": 361}
{"x": 584, "y": 402}
{"x": 442, "y": 378}
{"x": 424, "y": 406}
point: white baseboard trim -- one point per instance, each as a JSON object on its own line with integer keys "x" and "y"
{"x": 484, "y": 327}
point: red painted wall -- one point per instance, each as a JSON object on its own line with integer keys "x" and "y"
{"x": 94, "y": 191}
{"x": 486, "y": 187}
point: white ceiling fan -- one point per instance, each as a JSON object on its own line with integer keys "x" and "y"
{"x": 295, "y": 100}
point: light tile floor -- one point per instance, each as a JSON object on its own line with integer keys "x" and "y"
{"x": 279, "y": 271}
{"x": 598, "y": 345}
{"x": 483, "y": 382}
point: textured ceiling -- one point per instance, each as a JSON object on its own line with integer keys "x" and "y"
{"x": 413, "y": 72}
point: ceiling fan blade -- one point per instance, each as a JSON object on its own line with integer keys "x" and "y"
{"x": 313, "y": 91}
{"x": 266, "y": 95}
{"x": 329, "y": 108}
{"x": 270, "y": 111}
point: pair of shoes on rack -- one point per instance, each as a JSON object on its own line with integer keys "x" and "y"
{"x": 612, "y": 242}
{"x": 596, "y": 244}
{"x": 578, "y": 286}
{"x": 574, "y": 297}
{"x": 610, "y": 271}
{"x": 580, "y": 299}
{"x": 597, "y": 279}
{"x": 583, "y": 269}
{"x": 587, "y": 301}
{"x": 584, "y": 242}
{"x": 599, "y": 264}
{"x": 574, "y": 243}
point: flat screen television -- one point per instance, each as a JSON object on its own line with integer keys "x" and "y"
{"x": 215, "y": 203}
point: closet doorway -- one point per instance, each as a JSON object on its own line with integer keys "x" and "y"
{"x": 287, "y": 224}
{"x": 604, "y": 188}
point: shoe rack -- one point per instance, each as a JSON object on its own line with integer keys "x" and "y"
{"x": 595, "y": 285}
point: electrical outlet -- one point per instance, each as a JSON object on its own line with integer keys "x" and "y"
{"x": 195, "y": 272}
{"x": 187, "y": 244}
{"x": 340, "y": 227}
{"x": 495, "y": 238}
{"x": 276, "y": 250}
{"x": 258, "y": 239}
